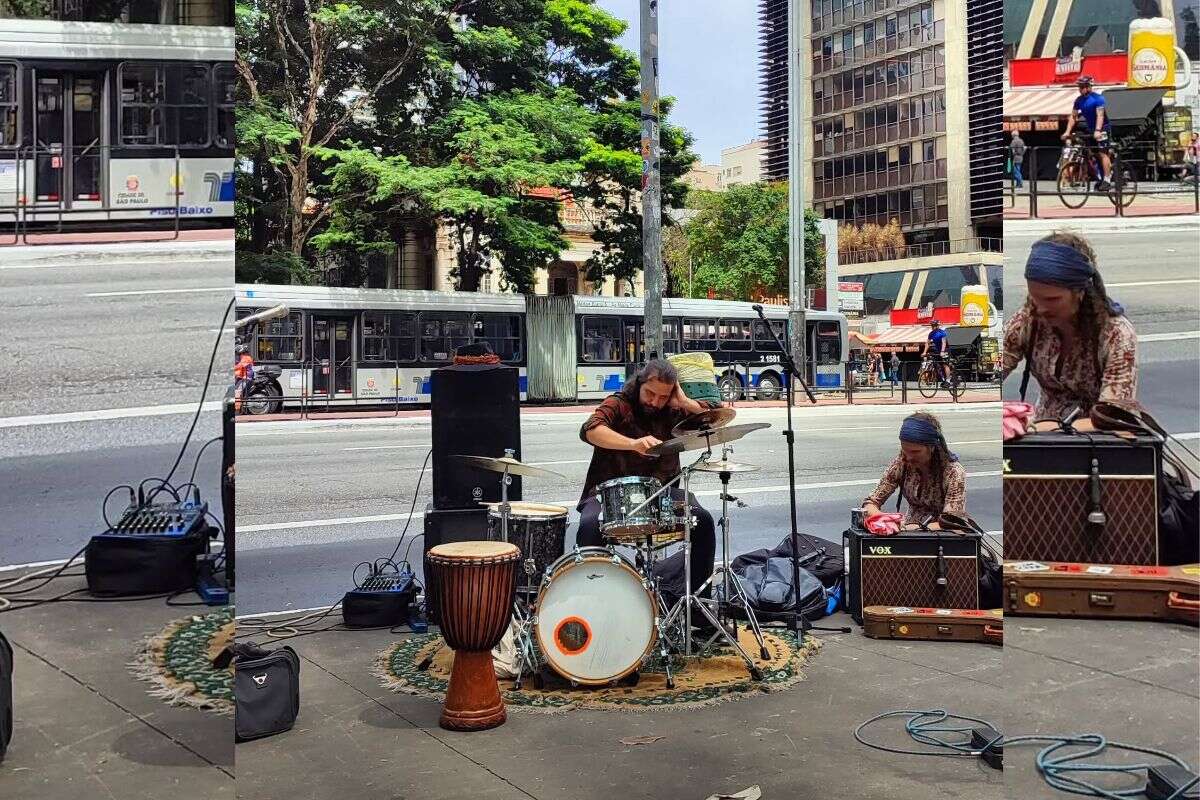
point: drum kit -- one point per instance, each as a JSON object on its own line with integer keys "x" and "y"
{"x": 595, "y": 614}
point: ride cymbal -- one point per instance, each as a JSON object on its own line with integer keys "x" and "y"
{"x": 510, "y": 465}
{"x": 711, "y": 419}
{"x": 706, "y": 439}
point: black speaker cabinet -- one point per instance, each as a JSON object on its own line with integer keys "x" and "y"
{"x": 475, "y": 411}
{"x": 449, "y": 525}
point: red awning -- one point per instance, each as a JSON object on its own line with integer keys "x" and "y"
{"x": 1056, "y": 101}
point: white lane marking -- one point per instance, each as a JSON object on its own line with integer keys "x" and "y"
{"x": 226, "y": 289}
{"x": 1169, "y": 337}
{"x": 1193, "y": 435}
{"x": 553, "y": 463}
{"x": 1151, "y": 283}
{"x": 569, "y": 504}
{"x": 106, "y": 414}
{"x": 32, "y": 565}
{"x": 293, "y": 611}
{"x": 379, "y": 446}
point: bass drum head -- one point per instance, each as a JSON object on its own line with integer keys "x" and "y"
{"x": 595, "y": 619}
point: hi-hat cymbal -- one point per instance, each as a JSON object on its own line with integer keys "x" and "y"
{"x": 711, "y": 419}
{"x": 509, "y": 465}
{"x": 704, "y": 440}
{"x": 725, "y": 466}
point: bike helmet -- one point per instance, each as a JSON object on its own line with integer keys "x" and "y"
{"x": 1084, "y": 80}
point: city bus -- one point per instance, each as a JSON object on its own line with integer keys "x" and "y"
{"x": 105, "y": 123}
{"x": 372, "y": 346}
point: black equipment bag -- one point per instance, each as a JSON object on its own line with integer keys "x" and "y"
{"x": 120, "y": 565}
{"x": 6, "y": 695}
{"x": 368, "y": 609}
{"x": 1178, "y": 515}
{"x": 767, "y": 583}
{"x": 266, "y": 688}
{"x": 826, "y": 567}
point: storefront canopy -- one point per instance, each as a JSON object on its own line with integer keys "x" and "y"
{"x": 901, "y": 339}
{"x": 1131, "y": 105}
{"x": 1055, "y": 101}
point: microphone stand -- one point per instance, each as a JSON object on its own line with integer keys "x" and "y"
{"x": 799, "y": 623}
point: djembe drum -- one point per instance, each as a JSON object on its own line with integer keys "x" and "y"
{"x": 474, "y": 585}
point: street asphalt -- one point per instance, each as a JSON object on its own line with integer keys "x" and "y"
{"x": 317, "y": 498}
{"x": 103, "y": 351}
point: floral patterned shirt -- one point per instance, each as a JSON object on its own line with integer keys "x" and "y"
{"x": 1077, "y": 377}
{"x": 926, "y": 497}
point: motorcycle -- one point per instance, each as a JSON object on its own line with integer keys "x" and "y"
{"x": 264, "y": 395}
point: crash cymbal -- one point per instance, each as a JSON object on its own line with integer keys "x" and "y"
{"x": 701, "y": 441}
{"x": 725, "y": 466}
{"x": 510, "y": 465}
{"x": 711, "y": 419}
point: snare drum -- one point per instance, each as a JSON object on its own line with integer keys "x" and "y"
{"x": 539, "y": 530}
{"x": 595, "y": 617}
{"x": 620, "y": 497}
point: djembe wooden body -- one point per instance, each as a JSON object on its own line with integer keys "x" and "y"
{"x": 474, "y": 583}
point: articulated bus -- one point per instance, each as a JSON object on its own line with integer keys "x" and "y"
{"x": 110, "y": 123}
{"x": 372, "y": 346}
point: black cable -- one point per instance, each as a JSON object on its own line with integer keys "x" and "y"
{"x": 196, "y": 463}
{"x": 212, "y": 360}
{"x": 411, "y": 510}
{"x": 57, "y": 574}
{"x": 107, "y": 497}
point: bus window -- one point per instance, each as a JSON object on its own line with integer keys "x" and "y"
{"x": 735, "y": 335}
{"x": 670, "y": 335}
{"x": 762, "y": 337}
{"x": 442, "y": 333}
{"x": 276, "y": 339}
{"x": 502, "y": 332}
{"x": 602, "y": 340}
{"x": 700, "y": 334}
{"x": 224, "y": 87}
{"x": 829, "y": 341}
{"x": 141, "y": 100}
{"x": 389, "y": 336}
{"x": 187, "y": 103}
{"x": 8, "y": 106}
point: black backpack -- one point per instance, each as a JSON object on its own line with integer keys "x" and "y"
{"x": 266, "y": 688}
{"x": 6, "y": 694}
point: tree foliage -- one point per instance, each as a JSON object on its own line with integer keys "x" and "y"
{"x": 738, "y": 243}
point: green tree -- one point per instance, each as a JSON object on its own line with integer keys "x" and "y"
{"x": 308, "y": 73}
{"x": 738, "y": 243}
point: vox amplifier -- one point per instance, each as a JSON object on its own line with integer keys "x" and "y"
{"x": 1082, "y": 498}
{"x": 918, "y": 569}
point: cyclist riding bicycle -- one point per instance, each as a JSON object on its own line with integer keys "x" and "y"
{"x": 1091, "y": 108}
{"x": 940, "y": 347}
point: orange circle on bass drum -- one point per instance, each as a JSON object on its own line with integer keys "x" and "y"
{"x": 572, "y": 636}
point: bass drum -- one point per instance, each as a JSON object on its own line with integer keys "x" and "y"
{"x": 595, "y": 617}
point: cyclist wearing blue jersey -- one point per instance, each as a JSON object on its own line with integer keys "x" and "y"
{"x": 1090, "y": 106}
{"x": 937, "y": 348}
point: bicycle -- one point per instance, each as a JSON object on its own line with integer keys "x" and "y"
{"x": 929, "y": 379}
{"x": 1079, "y": 167}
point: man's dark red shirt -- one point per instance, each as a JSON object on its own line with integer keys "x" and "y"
{"x": 623, "y": 413}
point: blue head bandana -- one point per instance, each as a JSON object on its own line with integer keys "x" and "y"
{"x": 1059, "y": 265}
{"x": 922, "y": 431}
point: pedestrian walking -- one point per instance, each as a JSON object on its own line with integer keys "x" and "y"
{"x": 1016, "y": 151}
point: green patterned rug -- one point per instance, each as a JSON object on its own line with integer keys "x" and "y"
{"x": 177, "y": 661}
{"x": 699, "y": 682}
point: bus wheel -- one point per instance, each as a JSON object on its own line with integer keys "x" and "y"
{"x": 769, "y": 387}
{"x": 731, "y": 388}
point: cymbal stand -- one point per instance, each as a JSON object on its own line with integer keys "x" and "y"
{"x": 689, "y": 599}
{"x": 523, "y": 634}
{"x": 725, "y": 604}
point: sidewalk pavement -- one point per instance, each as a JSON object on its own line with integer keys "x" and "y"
{"x": 874, "y": 397}
{"x": 1151, "y": 200}
{"x": 122, "y": 237}
{"x": 1132, "y": 682}
{"x": 85, "y": 728}
{"x": 196, "y": 245}
{"x": 355, "y": 738}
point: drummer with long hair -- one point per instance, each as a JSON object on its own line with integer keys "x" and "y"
{"x": 925, "y": 472}
{"x": 1074, "y": 339}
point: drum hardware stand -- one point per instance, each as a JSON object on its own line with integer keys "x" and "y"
{"x": 726, "y": 602}
{"x": 799, "y": 623}
{"x": 689, "y": 599}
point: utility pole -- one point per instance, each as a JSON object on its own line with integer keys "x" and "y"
{"x": 652, "y": 269}
{"x": 795, "y": 208}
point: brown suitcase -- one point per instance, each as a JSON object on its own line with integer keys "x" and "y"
{"x": 944, "y": 624}
{"x": 1102, "y": 591}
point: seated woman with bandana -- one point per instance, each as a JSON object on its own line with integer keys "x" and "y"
{"x": 1073, "y": 338}
{"x": 927, "y": 474}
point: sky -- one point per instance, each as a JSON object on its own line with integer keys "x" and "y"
{"x": 708, "y": 60}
